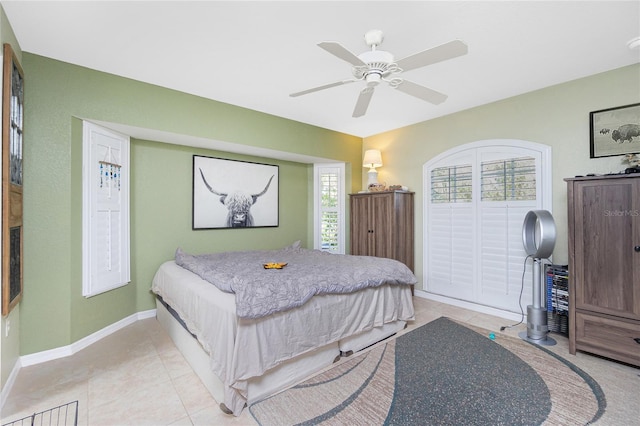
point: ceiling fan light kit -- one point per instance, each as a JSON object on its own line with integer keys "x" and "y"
{"x": 376, "y": 66}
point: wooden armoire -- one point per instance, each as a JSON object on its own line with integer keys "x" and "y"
{"x": 604, "y": 266}
{"x": 382, "y": 225}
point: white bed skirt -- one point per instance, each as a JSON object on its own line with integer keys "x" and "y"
{"x": 278, "y": 378}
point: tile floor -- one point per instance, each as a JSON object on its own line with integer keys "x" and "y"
{"x": 136, "y": 376}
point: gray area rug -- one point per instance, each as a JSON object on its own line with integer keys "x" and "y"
{"x": 442, "y": 373}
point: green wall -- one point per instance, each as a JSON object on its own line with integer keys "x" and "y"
{"x": 53, "y": 311}
{"x": 557, "y": 116}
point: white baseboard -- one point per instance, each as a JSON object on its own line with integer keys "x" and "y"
{"x": 71, "y": 349}
{"x": 51, "y": 354}
{"x": 469, "y": 305}
{"x": 9, "y": 383}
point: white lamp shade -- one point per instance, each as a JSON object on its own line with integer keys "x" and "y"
{"x": 372, "y": 158}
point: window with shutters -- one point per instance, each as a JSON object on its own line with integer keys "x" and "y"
{"x": 508, "y": 179}
{"x": 478, "y": 197}
{"x": 105, "y": 215}
{"x": 451, "y": 184}
{"x": 329, "y": 207}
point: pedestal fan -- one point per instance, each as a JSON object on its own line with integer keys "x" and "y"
{"x": 539, "y": 239}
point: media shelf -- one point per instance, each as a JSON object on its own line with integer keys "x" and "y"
{"x": 557, "y": 277}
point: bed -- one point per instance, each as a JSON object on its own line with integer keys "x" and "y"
{"x": 267, "y": 329}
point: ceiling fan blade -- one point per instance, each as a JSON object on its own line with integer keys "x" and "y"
{"x": 317, "y": 89}
{"x": 421, "y": 92}
{"x": 363, "y": 102}
{"x": 341, "y": 52}
{"x": 440, "y": 53}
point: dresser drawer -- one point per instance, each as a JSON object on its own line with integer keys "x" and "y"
{"x": 608, "y": 336}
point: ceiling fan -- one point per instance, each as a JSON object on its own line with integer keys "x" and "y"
{"x": 376, "y": 66}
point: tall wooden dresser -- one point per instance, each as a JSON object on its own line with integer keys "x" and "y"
{"x": 382, "y": 225}
{"x": 604, "y": 266}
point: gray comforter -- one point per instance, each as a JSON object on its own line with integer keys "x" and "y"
{"x": 261, "y": 292}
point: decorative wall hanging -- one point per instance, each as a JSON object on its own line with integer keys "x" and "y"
{"x": 12, "y": 139}
{"x": 615, "y": 131}
{"x": 234, "y": 194}
{"x": 110, "y": 174}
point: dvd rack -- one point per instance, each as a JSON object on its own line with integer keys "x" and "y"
{"x": 557, "y": 277}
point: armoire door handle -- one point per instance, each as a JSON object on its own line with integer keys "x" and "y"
{"x": 637, "y": 339}
{"x": 637, "y": 249}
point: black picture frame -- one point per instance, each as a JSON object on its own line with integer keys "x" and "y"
{"x": 234, "y": 194}
{"x": 615, "y": 131}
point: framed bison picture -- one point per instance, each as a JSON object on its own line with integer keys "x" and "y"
{"x": 234, "y": 194}
{"x": 615, "y": 131}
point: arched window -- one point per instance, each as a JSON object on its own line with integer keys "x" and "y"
{"x": 476, "y": 198}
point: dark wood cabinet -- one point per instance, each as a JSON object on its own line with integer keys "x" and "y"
{"x": 382, "y": 225}
{"x": 604, "y": 266}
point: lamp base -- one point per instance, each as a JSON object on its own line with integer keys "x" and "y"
{"x": 373, "y": 177}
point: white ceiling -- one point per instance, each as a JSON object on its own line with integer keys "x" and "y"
{"x": 254, "y": 54}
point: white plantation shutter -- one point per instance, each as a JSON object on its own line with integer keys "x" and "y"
{"x": 105, "y": 230}
{"x": 473, "y": 238}
{"x": 449, "y": 229}
{"x": 502, "y": 256}
{"x": 509, "y": 187}
{"x": 450, "y": 249}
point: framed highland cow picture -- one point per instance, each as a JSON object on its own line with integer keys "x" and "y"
{"x": 234, "y": 194}
{"x": 615, "y": 131}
